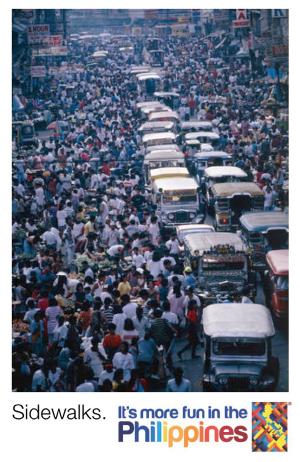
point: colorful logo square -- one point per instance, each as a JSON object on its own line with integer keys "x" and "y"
{"x": 269, "y": 427}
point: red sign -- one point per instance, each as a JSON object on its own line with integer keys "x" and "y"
{"x": 280, "y": 51}
{"x": 37, "y": 32}
{"x": 38, "y": 71}
{"x": 51, "y": 51}
{"x": 241, "y": 15}
{"x": 241, "y": 23}
{"x": 53, "y": 40}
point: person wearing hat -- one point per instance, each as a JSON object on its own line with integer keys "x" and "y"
{"x": 189, "y": 279}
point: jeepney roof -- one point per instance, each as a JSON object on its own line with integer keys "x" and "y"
{"x": 155, "y": 108}
{"x": 163, "y": 115}
{"x": 218, "y": 172}
{"x": 278, "y": 260}
{"x": 211, "y": 154}
{"x": 147, "y": 76}
{"x": 163, "y": 147}
{"x": 99, "y": 54}
{"x": 140, "y": 69}
{"x": 196, "y": 124}
{"x": 248, "y": 320}
{"x": 193, "y": 143}
{"x": 230, "y": 189}
{"x": 164, "y": 155}
{"x": 158, "y": 136}
{"x": 263, "y": 221}
{"x": 195, "y": 135}
{"x": 176, "y": 183}
{"x": 162, "y": 94}
{"x": 206, "y": 147}
{"x": 193, "y": 228}
{"x": 167, "y": 125}
{"x": 205, "y": 241}
{"x": 147, "y": 103}
{"x": 166, "y": 172}
{"x": 129, "y": 47}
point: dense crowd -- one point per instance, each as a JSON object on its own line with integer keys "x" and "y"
{"x": 102, "y": 301}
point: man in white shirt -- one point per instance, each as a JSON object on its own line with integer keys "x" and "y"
{"x": 179, "y": 383}
{"x": 50, "y": 238}
{"x": 173, "y": 245}
{"x": 137, "y": 258}
{"x": 129, "y": 309}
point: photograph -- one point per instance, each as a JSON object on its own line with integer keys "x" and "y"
{"x": 150, "y": 200}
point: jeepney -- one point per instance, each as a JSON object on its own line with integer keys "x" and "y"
{"x": 142, "y": 105}
{"x": 263, "y": 231}
{"x": 231, "y": 200}
{"x": 238, "y": 349}
{"x": 195, "y": 126}
{"x": 156, "y": 127}
{"x": 146, "y": 110}
{"x": 218, "y": 258}
{"x": 159, "y": 159}
{"x": 163, "y": 147}
{"x": 149, "y": 82}
{"x": 99, "y": 55}
{"x": 213, "y": 175}
{"x": 168, "y": 172}
{"x": 154, "y": 139}
{"x": 163, "y": 116}
{"x": 26, "y": 135}
{"x": 127, "y": 50}
{"x": 157, "y": 58}
{"x": 184, "y": 230}
{"x": 204, "y": 159}
{"x": 134, "y": 70}
{"x": 153, "y": 43}
{"x": 191, "y": 148}
{"x": 203, "y": 137}
{"x": 177, "y": 200}
{"x": 169, "y": 98}
{"x": 277, "y": 282}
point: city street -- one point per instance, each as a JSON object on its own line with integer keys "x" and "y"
{"x": 150, "y": 200}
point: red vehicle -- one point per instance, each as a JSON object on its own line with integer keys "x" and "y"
{"x": 277, "y": 282}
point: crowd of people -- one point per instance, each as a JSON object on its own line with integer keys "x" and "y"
{"x": 102, "y": 300}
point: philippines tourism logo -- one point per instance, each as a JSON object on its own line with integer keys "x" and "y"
{"x": 270, "y": 427}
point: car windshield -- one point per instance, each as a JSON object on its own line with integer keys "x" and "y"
{"x": 223, "y": 262}
{"x": 239, "y": 348}
{"x": 179, "y": 197}
{"x": 282, "y": 283}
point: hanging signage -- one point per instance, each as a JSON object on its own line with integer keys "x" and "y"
{"x": 38, "y": 71}
{"x": 51, "y": 51}
{"x": 280, "y": 51}
{"x": 36, "y": 32}
{"x": 279, "y": 13}
{"x": 241, "y": 19}
{"x": 53, "y": 40}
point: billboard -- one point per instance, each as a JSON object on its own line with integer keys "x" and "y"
{"x": 38, "y": 71}
{"x": 51, "y": 51}
{"x": 36, "y": 32}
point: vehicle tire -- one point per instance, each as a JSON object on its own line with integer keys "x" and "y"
{"x": 274, "y": 369}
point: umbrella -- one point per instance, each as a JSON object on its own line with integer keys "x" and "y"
{"x": 53, "y": 126}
